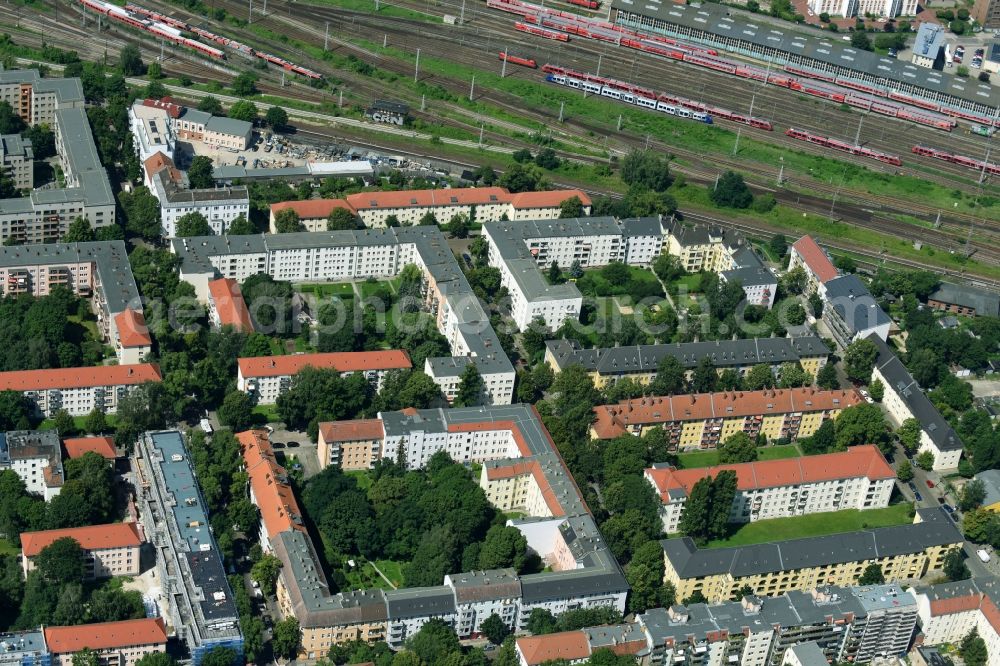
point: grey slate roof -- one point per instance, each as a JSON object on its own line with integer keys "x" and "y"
{"x": 411, "y": 602}
{"x": 899, "y": 380}
{"x": 991, "y": 482}
{"x": 935, "y": 529}
{"x": 809, "y": 654}
{"x": 224, "y": 125}
{"x": 984, "y": 302}
{"x": 855, "y": 305}
{"x": 69, "y": 91}
{"x": 724, "y": 353}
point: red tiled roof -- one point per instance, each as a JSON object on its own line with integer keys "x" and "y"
{"x": 612, "y": 420}
{"x": 102, "y": 446}
{"x": 966, "y": 602}
{"x": 856, "y": 462}
{"x": 132, "y": 331}
{"x": 229, "y": 304}
{"x": 280, "y": 366}
{"x": 991, "y": 613}
{"x": 547, "y": 199}
{"x": 91, "y": 376}
{"x": 106, "y": 635}
{"x": 157, "y": 162}
{"x": 279, "y": 510}
{"x": 92, "y": 537}
{"x": 352, "y": 431}
{"x": 815, "y": 258}
{"x": 312, "y": 209}
{"x": 166, "y": 103}
{"x": 568, "y": 645}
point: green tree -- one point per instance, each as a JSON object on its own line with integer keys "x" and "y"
{"x": 572, "y": 207}
{"x": 285, "y": 638}
{"x": 193, "y": 224}
{"x": 872, "y": 575}
{"x": 669, "y": 378}
{"x": 859, "y": 359}
{"x": 778, "y": 245}
{"x": 210, "y": 105}
{"x": 547, "y": 159}
{"x": 244, "y": 85}
{"x": 697, "y": 510}
{"x": 954, "y": 565}
{"x": 863, "y": 424}
{"x": 236, "y": 411}
{"x": 471, "y": 388}
{"x": 972, "y": 495}
{"x": 925, "y": 461}
{"x": 130, "y": 61}
{"x": 972, "y": 649}
{"x": 142, "y": 213}
{"x": 95, "y": 423}
{"x": 738, "y": 448}
{"x": 759, "y": 377}
{"x": 826, "y": 378}
{"x": 243, "y": 110}
{"x": 154, "y": 71}
{"x": 861, "y": 41}
{"x": 200, "y": 173}
{"x": 241, "y": 226}
{"x": 64, "y": 423}
{"x": 647, "y": 169}
{"x": 86, "y": 656}
{"x": 277, "y": 118}
{"x": 541, "y": 621}
{"x": 219, "y": 656}
{"x": 341, "y": 219}
{"x": 904, "y": 471}
{"x": 495, "y": 629}
{"x": 521, "y": 178}
{"x": 429, "y": 219}
{"x": 504, "y": 547}
{"x": 645, "y": 576}
{"x": 156, "y": 659}
{"x": 458, "y": 226}
{"x": 876, "y": 390}
{"x": 704, "y": 378}
{"x": 61, "y": 562}
{"x": 909, "y": 435}
{"x": 434, "y": 642}
{"x": 79, "y": 231}
{"x": 731, "y": 192}
{"x": 287, "y": 221}
{"x": 791, "y": 375}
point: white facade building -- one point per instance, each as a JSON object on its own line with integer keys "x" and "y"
{"x": 36, "y": 457}
{"x": 848, "y": 8}
{"x": 949, "y": 611}
{"x": 78, "y": 390}
{"x": 219, "y": 205}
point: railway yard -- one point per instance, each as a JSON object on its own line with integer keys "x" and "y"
{"x": 388, "y": 41}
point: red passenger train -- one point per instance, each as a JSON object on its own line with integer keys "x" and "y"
{"x": 961, "y": 160}
{"x": 826, "y": 142}
{"x": 518, "y": 60}
{"x": 541, "y": 32}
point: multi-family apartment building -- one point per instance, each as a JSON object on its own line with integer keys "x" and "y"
{"x": 949, "y": 611}
{"x": 17, "y": 160}
{"x": 109, "y": 550}
{"x": 24, "y": 648}
{"x": 351, "y": 255}
{"x": 859, "y": 478}
{"x": 152, "y": 130}
{"x": 78, "y": 390}
{"x": 189, "y": 564}
{"x": 904, "y": 552}
{"x": 722, "y": 251}
{"x": 131, "y": 337}
{"x": 904, "y": 399}
{"x": 191, "y": 124}
{"x": 267, "y": 377}
{"x": 350, "y": 445}
{"x": 77, "y": 447}
{"x": 558, "y": 526}
{"x": 850, "y": 311}
{"x": 819, "y": 270}
{"x": 841, "y": 624}
{"x": 522, "y": 250}
{"x": 611, "y": 364}
{"x": 36, "y": 99}
{"x": 219, "y": 205}
{"x": 703, "y": 420}
{"x": 881, "y": 8}
{"x": 115, "y": 643}
{"x": 479, "y": 204}
{"x": 226, "y": 306}
{"x": 35, "y": 456}
{"x": 98, "y": 270}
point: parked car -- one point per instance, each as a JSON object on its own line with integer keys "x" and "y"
{"x": 913, "y": 488}
{"x": 949, "y": 508}
{"x": 917, "y": 496}
{"x": 930, "y": 484}
{"x": 983, "y": 555}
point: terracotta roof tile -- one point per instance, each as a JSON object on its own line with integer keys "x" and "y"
{"x": 280, "y": 366}
{"x": 568, "y": 645}
{"x": 459, "y": 196}
{"x": 102, "y": 446}
{"x": 856, "y": 462}
{"x": 227, "y": 298}
{"x": 967, "y": 602}
{"x": 106, "y": 635}
{"x": 132, "y": 331}
{"x": 279, "y": 510}
{"x": 352, "y": 431}
{"x": 312, "y": 209}
{"x": 92, "y": 537}
{"x": 815, "y": 258}
{"x": 547, "y": 199}
{"x": 612, "y": 420}
{"x": 63, "y": 378}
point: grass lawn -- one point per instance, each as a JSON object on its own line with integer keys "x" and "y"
{"x": 269, "y": 412}
{"x": 362, "y": 477}
{"x": 690, "y": 283}
{"x": 817, "y": 524}
{"x": 392, "y": 569}
{"x": 641, "y": 282}
{"x": 711, "y": 457}
{"x": 327, "y": 289}
{"x": 89, "y": 324}
{"x": 7, "y": 548}
{"x": 79, "y": 422}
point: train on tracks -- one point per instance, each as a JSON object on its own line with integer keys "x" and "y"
{"x": 826, "y": 142}
{"x": 961, "y": 160}
{"x": 646, "y": 98}
{"x": 545, "y": 33}
{"x": 518, "y": 60}
{"x": 837, "y": 89}
{"x": 161, "y": 29}
{"x": 243, "y": 49}
{"x": 588, "y": 4}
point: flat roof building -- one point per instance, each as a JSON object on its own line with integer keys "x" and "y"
{"x": 965, "y": 300}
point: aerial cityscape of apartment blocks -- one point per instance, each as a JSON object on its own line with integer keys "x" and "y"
{"x": 78, "y": 390}
{"x": 704, "y": 420}
{"x": 352, "y": 255}
{"x": 859, "y": 478}
{"x": 109, "y": 550}
{"x": 267, "y": 377}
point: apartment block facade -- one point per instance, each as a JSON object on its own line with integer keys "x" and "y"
{"x": 219, "y": 205}
{"x": 703, "y": 420}
{"x": 523, "y": 250}
{"x": 351, "y": 255}
{"x": 109, "y": 550}
{"x": 35, "y": 456}
{"x": 859, "y": 478}
{"x": 78, "y": 390}
{"x": 17, "y": 158}
{"x": 115, "y": 643}
{"x": 807, "y": 254}
{"x": 267, "y": 377}
{"x": 949, "y": 611}
{"x": 611, "y": 364}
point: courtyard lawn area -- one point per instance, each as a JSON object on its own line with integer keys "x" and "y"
{"x": 392, "y": 569}
{"x": 327, "y": 289}
{"x": 79, "y": 422}
{"x": 817, "y": 524}
{"x": 641, "y": 283}
{"x": 363, "y": 576}
{"x": 268, "y": 412}
{"x": 7, "y": 548}
{"x": 690, "y": 283}
{"x": 363, "y": 478}
{"x": 711, "y": 457}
